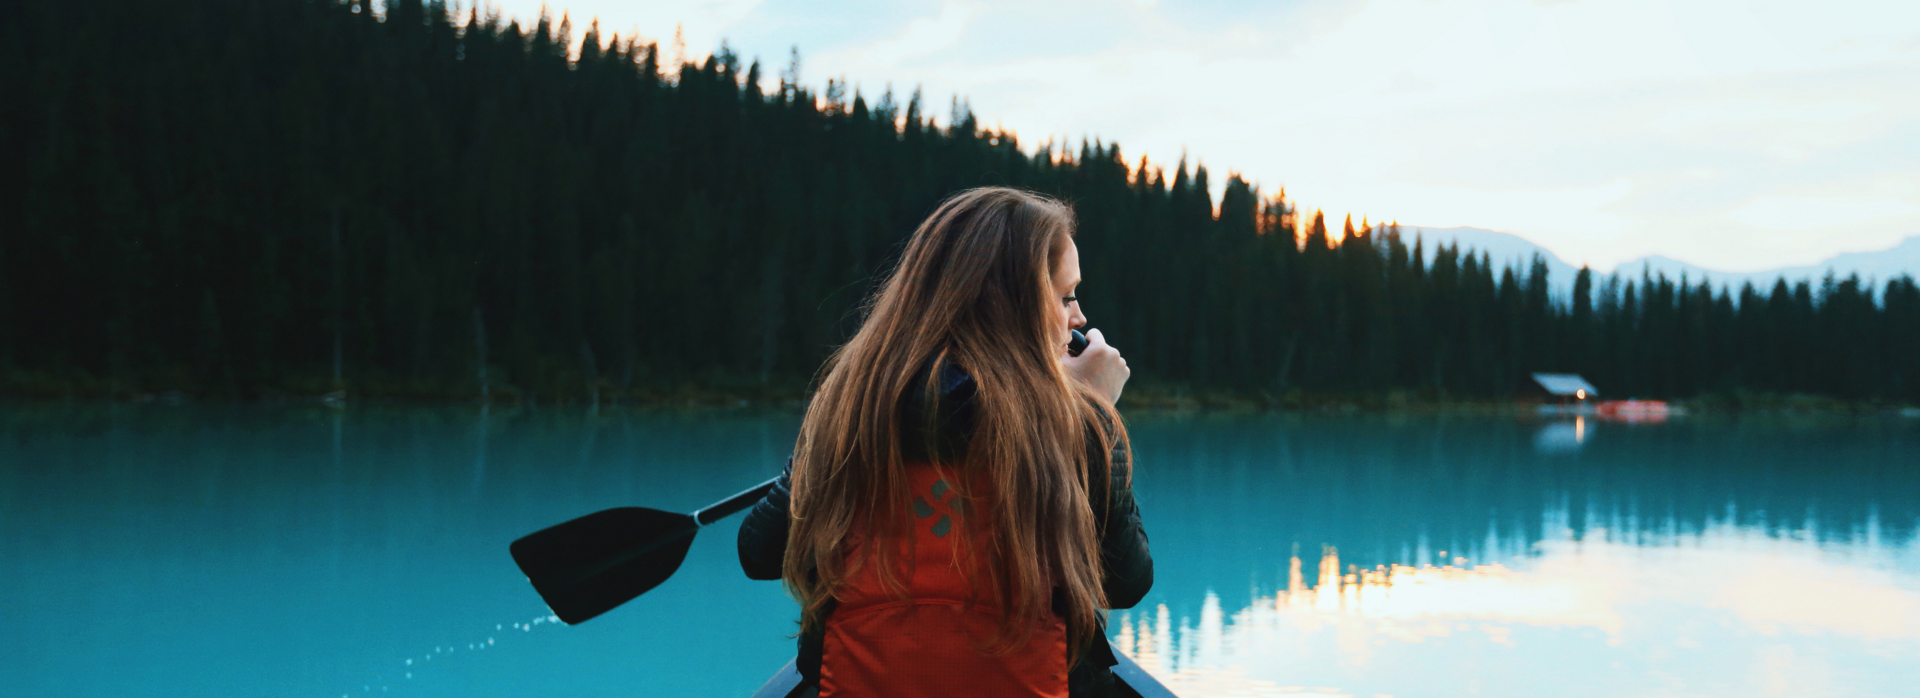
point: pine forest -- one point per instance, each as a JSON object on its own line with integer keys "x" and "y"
{"x": 253, "y": 198}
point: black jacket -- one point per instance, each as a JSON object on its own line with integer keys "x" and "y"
{"x": 1126, "y": 564}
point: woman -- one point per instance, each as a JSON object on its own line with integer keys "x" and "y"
{"x": 958, "y": 509}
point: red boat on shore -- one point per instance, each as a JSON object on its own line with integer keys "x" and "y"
{"x": 1634, "y": 410}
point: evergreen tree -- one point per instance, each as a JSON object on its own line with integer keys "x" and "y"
{"x": 250, "y": 197}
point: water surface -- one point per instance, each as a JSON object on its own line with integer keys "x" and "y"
{"x": 205, "y": 550}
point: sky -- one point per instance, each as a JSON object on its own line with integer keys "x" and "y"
{"x": 1734, "y": 135}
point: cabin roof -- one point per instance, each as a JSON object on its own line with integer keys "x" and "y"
{"x": 1564, "y": 383}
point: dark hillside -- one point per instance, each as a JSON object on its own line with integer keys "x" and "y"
{"x": 247, "y": 197}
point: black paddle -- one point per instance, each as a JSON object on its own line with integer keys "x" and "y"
{"x": 587, "y": 566}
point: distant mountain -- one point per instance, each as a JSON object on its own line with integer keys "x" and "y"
{"x": 1873, "y": 267}
{"x": 1506, "y": 249}
{"x": 1503, "y": 249}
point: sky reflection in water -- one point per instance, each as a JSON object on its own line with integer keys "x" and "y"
{"x": 1604, "y": 608}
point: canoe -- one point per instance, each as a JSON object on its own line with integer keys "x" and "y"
{"x": 1132, "y": 681}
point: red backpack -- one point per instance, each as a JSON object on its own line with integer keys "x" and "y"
{"x": 926, "y": 645}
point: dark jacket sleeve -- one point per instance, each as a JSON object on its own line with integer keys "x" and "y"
{"x": 763, "y": 535}
{"x": 1125, "y": 561}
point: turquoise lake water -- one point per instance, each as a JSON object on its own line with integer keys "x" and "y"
{"x": 152, "y": 550}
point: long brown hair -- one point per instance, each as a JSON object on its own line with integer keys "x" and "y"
{"x": 971, "y": 288}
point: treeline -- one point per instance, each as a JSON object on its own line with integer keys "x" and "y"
{"x": 250, "y": 197}
{"x": 1455, "y": 324}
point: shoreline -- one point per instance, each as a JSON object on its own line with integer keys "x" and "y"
{"x": 727, "y": 391}
{"x": 1146, "y": 401}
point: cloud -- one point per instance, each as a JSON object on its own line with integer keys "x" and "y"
{"x": 923, "y": 36}
{"x": 1838, "y": 210}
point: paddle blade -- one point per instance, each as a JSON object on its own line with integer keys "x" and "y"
{"x": 587, "y": 566}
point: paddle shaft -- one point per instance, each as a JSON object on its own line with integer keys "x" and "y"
{"x": 726, "y": 507}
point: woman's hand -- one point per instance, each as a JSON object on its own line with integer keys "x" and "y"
{"x": 1099, "y": 366}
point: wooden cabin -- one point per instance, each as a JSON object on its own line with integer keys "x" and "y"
{"x": 1566, "y": 387}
